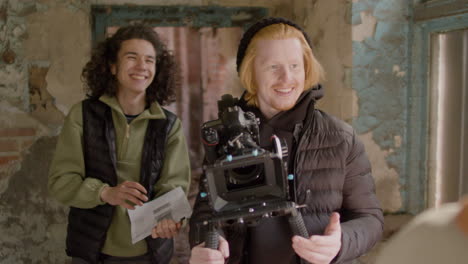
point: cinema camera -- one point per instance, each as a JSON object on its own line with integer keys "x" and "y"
{"x": 243, "y": 182}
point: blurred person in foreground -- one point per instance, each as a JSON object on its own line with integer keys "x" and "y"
{"x": 438, "y": 235}
{"x": 333, "y": 177}
{"x": 119, "y": 148}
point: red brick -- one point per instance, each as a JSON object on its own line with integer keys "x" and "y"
{"x": 6, "y": 159}
{"x": 8, "y": 145}
{"x": 17, "y": 132}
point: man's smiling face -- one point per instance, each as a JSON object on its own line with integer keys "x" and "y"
{"x": 279, "y": 74}
{"x": 135, "y": 66}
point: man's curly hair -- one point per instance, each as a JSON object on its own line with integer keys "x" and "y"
{"x": 99, "y": 80}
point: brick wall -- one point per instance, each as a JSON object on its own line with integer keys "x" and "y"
{"x": 13, "y": 141}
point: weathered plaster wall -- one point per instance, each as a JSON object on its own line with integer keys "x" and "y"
{"x": 327, "y": 23}
{"x": 38, "y": 84}
{"x": 56, "y": 38}
{"x": 379, "y": 77}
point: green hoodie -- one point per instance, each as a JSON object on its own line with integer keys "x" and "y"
{"x": 70, "y": 186}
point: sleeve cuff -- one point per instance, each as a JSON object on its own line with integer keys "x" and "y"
{"x": 100, "y": 201}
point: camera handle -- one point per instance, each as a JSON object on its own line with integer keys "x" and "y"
{"x": 296, "y": 222}
{"x": 211, "y": 238}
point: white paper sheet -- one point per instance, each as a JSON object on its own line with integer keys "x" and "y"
{"x": 171, "y": 205}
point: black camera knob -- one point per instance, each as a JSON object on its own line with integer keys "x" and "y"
{"x": 210, "y": 135}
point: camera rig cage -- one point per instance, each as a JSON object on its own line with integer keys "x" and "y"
{"x": 243, "y": 181}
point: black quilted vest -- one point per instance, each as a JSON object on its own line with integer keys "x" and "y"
{"x": 87, "y": 228}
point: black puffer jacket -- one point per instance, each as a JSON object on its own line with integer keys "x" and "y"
{"x": 333, "y": 175}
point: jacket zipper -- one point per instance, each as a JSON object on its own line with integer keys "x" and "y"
{"x": 127, "y": 132}
{"x": 125, "y": 141}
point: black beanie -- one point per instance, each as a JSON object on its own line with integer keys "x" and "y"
{"x": 248, "y": 35}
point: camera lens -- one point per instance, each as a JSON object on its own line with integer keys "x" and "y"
{"x": 241, "y": 177}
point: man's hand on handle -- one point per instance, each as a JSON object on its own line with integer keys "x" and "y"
{"x": 202, "y": 255}
{"x": 320, "y": 249}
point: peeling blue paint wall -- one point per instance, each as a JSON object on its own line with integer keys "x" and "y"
{"x": 380, "y": 78}
{"x": 391, "y": 78}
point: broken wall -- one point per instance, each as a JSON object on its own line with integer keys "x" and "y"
{"x": 380, "y": 78}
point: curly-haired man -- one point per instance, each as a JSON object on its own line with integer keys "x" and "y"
{"x": 119, "y": 148}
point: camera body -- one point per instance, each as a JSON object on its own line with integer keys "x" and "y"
{"x": 239, "y": 173}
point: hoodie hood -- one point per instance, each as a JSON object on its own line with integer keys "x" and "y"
{"x": 316, "y": 92}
